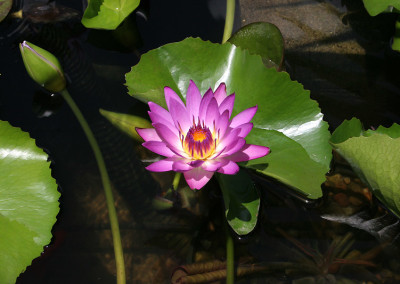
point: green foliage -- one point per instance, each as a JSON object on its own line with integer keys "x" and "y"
{"x": 263, "y": 39}
{"x": 375, "y": 7}
{"x": 241, "y": 201}
{"x": 283, "y": 105}
{"x": 28, "y": 201}
{"x": 375, "y": 156}
{"x": 107, "y": 14}
{"x": 5, "y": 7}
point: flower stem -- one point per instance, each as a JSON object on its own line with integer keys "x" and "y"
{"x": 119, "y": 257}
{"x": 229, "y": 19}
{"x": 175, "y": 182}
{"x": 230, "y": 257}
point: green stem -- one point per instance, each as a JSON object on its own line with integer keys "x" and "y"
{"x": 176, "y": 180}
{"x": 229, "y": 18}
{"x": 396, "y": 37}
{"x": 230, "y": 257}
{"x": 119, "y": 257}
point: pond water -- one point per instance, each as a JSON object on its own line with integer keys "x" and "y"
{"x": 350, "y": 72}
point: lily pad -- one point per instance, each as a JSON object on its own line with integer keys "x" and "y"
{"x": 28, "y": 201}
{"x": 242, "y": 201}
{"x": 5, "y": 7}
{"x": 375, "y": 7}
{"x": 375, "y": 156}
{"x": 264, "y": 39}
{"x": 107, "y": 14}
{"x": 126, "y": 123}
{"x": 283, "y": 104}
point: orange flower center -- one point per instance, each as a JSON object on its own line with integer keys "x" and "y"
{"x": 199, "y": 143}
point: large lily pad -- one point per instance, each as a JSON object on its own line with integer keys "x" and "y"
{"x": 283, "y": 105}
{"x": 375, "y": 156}
{"x": 107, "y": 14}
{"x": 375, "y": 7}
{"x": 28, "y": 201}
{"x": 242, "y": 201}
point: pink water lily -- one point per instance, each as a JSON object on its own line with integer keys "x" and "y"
{"x": 199, "y": 138}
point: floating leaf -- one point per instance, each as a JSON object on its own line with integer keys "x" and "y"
{"x": 283, "y": 105}
{"x": 375, "y": 156}
{"x": 107, "y": 14}
{"x": 375, "y": 7}
{"x": 242, "y": 201}
{"x": 263, "y": 39}
{"x": 127, "y": 123}
{"x": 28, "y": 201}
{"x": 5, "y": 7}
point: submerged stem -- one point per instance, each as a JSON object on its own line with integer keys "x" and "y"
{"x": 119, "y": 257}
{"x": 230, "y": 257}
{"x": 176, "y": 180}
{"x": 229, "y": 19}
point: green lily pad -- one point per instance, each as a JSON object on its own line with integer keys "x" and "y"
{"x": 28, "y": 201}
{"x": 375, "y": 7}
{"x": 264, "y": 39}
{"x": 127, "y": 123}
{"x": 107, "y": 14}
{"x": 5, "y": 7}
{"x": 375, "y": 156}
{"x": 242, "y": 201}
{"x": 283, "y": 105}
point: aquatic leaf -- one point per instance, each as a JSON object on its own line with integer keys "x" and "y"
{"x": 126, "y": 123}
{"x": 283, "y": 105}
{"x": 28, "y": 201}
{"x": 263, "y": 39}
{"x": 107, "y": 14}
{"x": 375, "y": 7}
{"x": 375, "y": 156}
{"x": 242, "y": 201}
{"x": 5, "y": 7}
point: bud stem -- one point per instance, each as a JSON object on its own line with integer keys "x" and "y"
{"x": 119, "y": 257}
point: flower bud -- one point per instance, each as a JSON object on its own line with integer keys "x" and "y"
{"x": 43, "y": 67}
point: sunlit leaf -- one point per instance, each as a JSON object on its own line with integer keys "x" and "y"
{"x": 242, "y": 201}
{"x": 375, "y": 156}
{"x": 28, "y": 201}
{"x": 283, "y": 105}
{"x": 263, "y": 39}
{"x": 107, "y": 14}
{"x": 127, "y": 123}
{"x": 375, "y": 7}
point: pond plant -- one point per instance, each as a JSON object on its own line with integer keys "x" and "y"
{"x": 267, "y": 126}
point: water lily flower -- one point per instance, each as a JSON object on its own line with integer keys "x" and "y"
{"x": 43, "y": 67}
{"x": 199, "y": 138}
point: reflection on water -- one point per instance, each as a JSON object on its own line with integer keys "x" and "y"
{"x": 343, "y": 236}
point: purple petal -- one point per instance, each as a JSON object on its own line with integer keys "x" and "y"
{"x": 181, "y": 166}
{"x": 167, "y": 135}
{"x": 227, "y": 104}
{"x": 249, "y": 152}
{"x": 148, "y": 134}
{"x": 161, "y": 166}
{"x": 196, "y": 163}
{"x": 230, "y": 137}
{"x": 161, "y": 112}
{"x": 235, "y": 146}
{"x": 230, "y": 168}
{"x": 245, "y": 129}
{"x": 180, "y": 116}
{"x": 212, "y": 114}
{"x": 243, "y": 117}
{"x": 220, "y": 93}
{"x": 204, "y": 104}
{"x": 159, "y": 148}
{"x": 193, "y": 100}
{"x": 197, "y": 177}
{"x": 222, "y": 124}
{"x": 211, "y": 165}
{"x": 171, "y": 96}
{"x": 155, "y": 117}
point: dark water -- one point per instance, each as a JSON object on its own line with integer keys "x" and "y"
{"x": 157, "y": 242}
